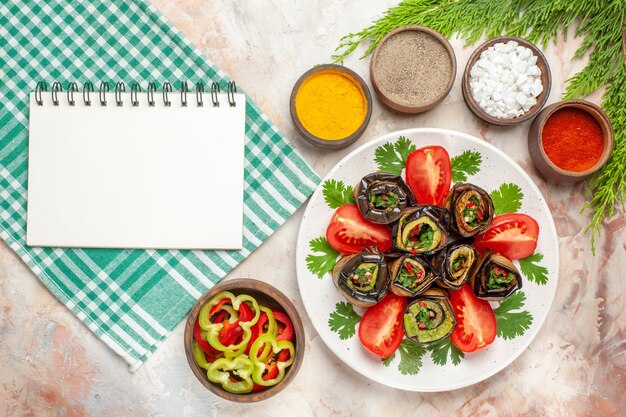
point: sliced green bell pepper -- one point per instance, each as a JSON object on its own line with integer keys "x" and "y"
{"x": 239, "y": 368}
{"x": 198, "y": 355}
{"x": 261, "y": 366}
{"x": 213, "y": 329}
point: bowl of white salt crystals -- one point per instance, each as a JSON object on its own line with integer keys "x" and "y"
{"x": 506, "y": 81}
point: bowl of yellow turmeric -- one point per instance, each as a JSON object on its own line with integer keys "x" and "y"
{"x": 330, "y": 106}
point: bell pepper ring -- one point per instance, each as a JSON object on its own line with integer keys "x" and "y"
{"x": 285, "y": 332}
{"x": 198, "y": 355}
{"x": 267, "y": 317}
{"x": 261, "y": 367}
{"x": 239, "y": 303}
{"x": 233, "y": 374}
{"x": 201, "y": 342}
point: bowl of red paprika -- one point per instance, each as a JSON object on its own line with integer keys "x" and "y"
{"x": 244, "y": 340}
{"x": 570, "y": 140}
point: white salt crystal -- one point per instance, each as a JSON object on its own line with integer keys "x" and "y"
{"x": 505, "y": 81}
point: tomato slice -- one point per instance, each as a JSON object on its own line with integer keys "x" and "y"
{"x": 476, "y": 323}
{"x": 349, "y": 232}
{"x": 380, "y": 329}
{"x": 429, "y": 174}
{"x": 511, "y": 235}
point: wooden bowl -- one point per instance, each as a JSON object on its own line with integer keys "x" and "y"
{"x": 321, "y": 142}
{"x": 546, "y": 81}
{"x": 535, "y": 145}
{"x": 270, "y": 297}
{"x": 400, "y": 107}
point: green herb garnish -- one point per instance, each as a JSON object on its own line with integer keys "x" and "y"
{"x": 439, "y": 352}
{"x": 507, "y": 198}
{"x": 426, "y": 236}
{"x": 410, "y": 357}
{"x": 511, "y": 324}
{"x": 391, "y": 157}
{"x": 468, "y": 163}
{"x": 600, "y": 25}
{"x": 387, "y": 201}
{"x": 343, "y": 320}
{"x": 323, "y": 260}
{"x": 499, "y": 278}
{"x": 336, "y": 193}
{"x": 532, "y": 270}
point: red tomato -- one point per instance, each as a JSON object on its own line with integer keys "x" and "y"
{"x": 349, "y": 232}
{"x": 476, "y": 323}
{"x": 511, "y": 235}
{"x": 380, "y": 329}
{"x": 429, "y": 174}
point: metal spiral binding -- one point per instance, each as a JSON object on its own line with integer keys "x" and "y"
{"x": 120, "y": 87}
{"x": 167, "y": 88}
{"x": 104, "y": 89}
{"x": 87, "y": 88}
{"x": 135, "y": 89}
{"x": 56, "y": 87}
{"x": 151, "y": 90}
{"x": 41, "y": 86}
{"x": 184, "y": 89}
{"x": 199, "y": 91}
{"x": 71, "y": 88}
{"x": 215, "y": 88}
{"x": 232, "y": 89}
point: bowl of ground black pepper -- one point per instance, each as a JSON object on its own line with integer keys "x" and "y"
{"x": 570, "y": 140}
{"x": 412, "y": 69}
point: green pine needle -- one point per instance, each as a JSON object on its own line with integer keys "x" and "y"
{"x": 600, "y": 23}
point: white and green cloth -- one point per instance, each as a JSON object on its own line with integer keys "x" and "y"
{"x": 131, "y": 299}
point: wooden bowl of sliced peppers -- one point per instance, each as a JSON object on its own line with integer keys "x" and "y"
{"x": 244, "y": 340}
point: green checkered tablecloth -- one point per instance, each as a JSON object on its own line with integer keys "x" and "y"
{"x": 131, "y": 299}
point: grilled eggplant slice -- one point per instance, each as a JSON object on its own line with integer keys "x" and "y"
{"x": 362, "y": 278}
{"x": 454, "y": 264}
{"x": 429, "y": 317}
{"x": 381, "y": 197}
{"x": 471, "y": 209}
{"x": 494, "y": 277}
{"x": 411, "y": 275}
{"x": 422, "y": 230}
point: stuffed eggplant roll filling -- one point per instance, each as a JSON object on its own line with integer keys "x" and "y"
{"x": 471, "y": 208}
{"x": 429, "y": 317}
{"x": 381, "y": 197}
{"x": 454, "y": 264}
{"x": 494, "y": 277}
{"x": 422, "y": 229}
{"x": 412, "y": 275}
{"x": 362, "y": 278}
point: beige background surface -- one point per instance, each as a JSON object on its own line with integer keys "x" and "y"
{"x": 52, "y": 365}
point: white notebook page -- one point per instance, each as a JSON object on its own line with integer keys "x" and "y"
{"x": 136, "y": 177}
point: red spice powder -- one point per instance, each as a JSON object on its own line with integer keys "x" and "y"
{"x": 572, "y": 139}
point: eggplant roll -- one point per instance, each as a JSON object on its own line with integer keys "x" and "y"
{"x": 381, "y": 197}
{"x": 362, "y": 278}
{"x": 422, "y": 229}
{"x": 454, "y": 264}
{"x": 471, "y": 209}
{"x": 429, "y": 317}
{"x": 411, "y": 275}
{"x": 494, "y": 277}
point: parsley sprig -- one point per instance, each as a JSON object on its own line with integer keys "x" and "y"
{"x": 344, "y": 320}
{"x": 507, "y": 198}
{"x": 410, "y": 357}
{"x": 440, "y": 350}
{"x": 532, "y": 270}
{"x": 323, "y": 258}
{"x": 468, "y": 163}
{"x": 510, "y": 323}
{"x": 391, "y": 157}
{"x": 336, "y": 193}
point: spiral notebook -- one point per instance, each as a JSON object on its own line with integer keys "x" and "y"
{"x": 125, "y": 168}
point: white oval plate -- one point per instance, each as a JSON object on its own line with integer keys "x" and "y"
{"x": 320, "y": 295}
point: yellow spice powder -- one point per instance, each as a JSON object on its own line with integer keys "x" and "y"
{"x": 331, "y": 105}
